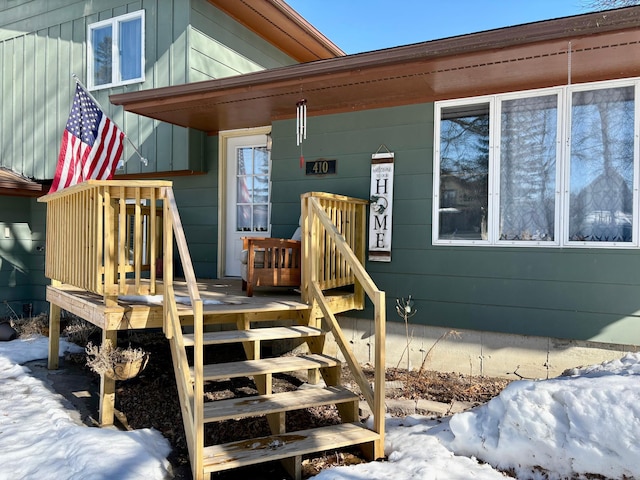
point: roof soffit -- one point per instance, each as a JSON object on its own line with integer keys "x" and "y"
{"x": 515, "y": 58}
{"x": 282, "y": 26}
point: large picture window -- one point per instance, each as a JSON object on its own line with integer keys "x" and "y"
{"x": 116, "y": 51}
{"x": 555, "y": 167}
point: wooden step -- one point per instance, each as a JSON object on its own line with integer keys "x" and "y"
{"x": 255, "y": 334}
{"x": 249, "y": 368}
{"x": 276, "y": 447}
{"x": 277, "y": 402}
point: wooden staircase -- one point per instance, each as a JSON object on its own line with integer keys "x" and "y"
{"x": 124, "y": 227}
{"x": 280, "y": 444}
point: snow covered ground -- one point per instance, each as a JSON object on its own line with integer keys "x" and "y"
{"x": 39, "y": 440}
{"x": 570, "y": 427}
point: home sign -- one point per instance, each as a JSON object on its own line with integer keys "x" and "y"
{"x": 381, "y": 207}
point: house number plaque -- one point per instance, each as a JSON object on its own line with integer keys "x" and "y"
{"x": 322, "y": 166}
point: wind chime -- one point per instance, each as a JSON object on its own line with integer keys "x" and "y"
{"x": 301, "y": 126}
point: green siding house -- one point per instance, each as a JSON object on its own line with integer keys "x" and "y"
{"x": 119, "y": 46}
{"x": 516, "y": 172}
{"x": 516, "y": 162}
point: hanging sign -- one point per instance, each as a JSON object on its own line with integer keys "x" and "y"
{"x": 381, "y": 207}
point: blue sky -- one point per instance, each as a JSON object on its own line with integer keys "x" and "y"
{"x": 364, "y": 25}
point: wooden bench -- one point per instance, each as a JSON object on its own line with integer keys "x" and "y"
{"x": 270, "y": 262}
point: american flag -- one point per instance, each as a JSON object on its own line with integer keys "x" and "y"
{"x": 91, "y": 144}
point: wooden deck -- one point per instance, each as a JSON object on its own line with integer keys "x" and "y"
{"x": 111, "y": 249}
{"x": 224, "y": 301}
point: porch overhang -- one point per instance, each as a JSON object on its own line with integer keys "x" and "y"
{"x": 584, "y": 48}
{"x": 16, "y": 185}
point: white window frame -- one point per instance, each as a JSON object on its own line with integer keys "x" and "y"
{"x": 563, "y": 155}
{"x": 115, "y": 50}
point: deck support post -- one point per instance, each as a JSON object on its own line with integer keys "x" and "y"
{"x": 293, "y": 466}
{"x": 54, "y": 332}
{"x": 107, "y": 385}
{"x": 54, "y": 336}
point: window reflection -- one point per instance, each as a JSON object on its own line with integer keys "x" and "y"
{"x": 464, "y": 172}
{"x": 253, "y": 189}
{"x": 601, "y": 165}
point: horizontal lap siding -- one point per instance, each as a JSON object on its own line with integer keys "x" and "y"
{"x": 220, "y": 47}
{"x": 585, "y": 294}
{"x": 20, "y": 261}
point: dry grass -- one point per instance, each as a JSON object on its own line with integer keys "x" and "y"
{"x": 30, "y": 326}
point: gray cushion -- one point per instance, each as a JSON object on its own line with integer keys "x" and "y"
{"x": 259, "y": 258}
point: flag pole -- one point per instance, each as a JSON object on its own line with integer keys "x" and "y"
{"x": 144, "y": 161}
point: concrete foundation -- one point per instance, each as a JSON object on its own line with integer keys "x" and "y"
{"x": 476, "y": 352}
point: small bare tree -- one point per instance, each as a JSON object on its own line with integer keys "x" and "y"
{"x": 405, "y": 310}
{"x": 596, "y": 5}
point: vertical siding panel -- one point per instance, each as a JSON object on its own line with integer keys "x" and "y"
{"x": 52, "y": 111}
{"x": 178, "y": 60}
{"x": 78, "y": 51}
{"x": 146, "y": 131}
{"x": 4, "y": 160}
{"x": 66, "y": 84}
{"x": 17, "y": 97}
{"x": 162, "y": 77}
{"x": 40, "y": 153}
{"x": 27, "y": 115}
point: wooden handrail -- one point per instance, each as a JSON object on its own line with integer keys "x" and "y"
{"x": 344, "y": 248}
{"x": 194, "y": 394}
{"x": 320, "y": 230}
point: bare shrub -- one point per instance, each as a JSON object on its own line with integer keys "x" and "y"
{"x": 79, "y": 331}
{"x": 31, "y": 326}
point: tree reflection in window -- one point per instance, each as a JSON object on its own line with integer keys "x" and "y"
{"x": 464, "y": 172}
{"x": 528, "y": 139}
{"x": 601, "y": 165}
{"x": 102, "y": 56}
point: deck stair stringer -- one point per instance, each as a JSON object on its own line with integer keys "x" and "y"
{"x": 275, "y": 406}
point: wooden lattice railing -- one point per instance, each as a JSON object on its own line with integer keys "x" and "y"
{"x": 333, "y": 250}
{"x": 106, "y": 236}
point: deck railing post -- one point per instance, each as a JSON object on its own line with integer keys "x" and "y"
{"x": 110, "y": 239}
{"x": 340, "y": 249}
{"x": 379, "y": 380}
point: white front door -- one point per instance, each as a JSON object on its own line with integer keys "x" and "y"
{"x": 248, "y": 196}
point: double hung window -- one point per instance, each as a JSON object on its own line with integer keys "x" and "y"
{"x": 555, "y": 167}
{"x": 116, "y": 51}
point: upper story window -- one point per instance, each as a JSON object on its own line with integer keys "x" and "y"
{"x": 116, "y": 51}
{"x": 554, "y": 167}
